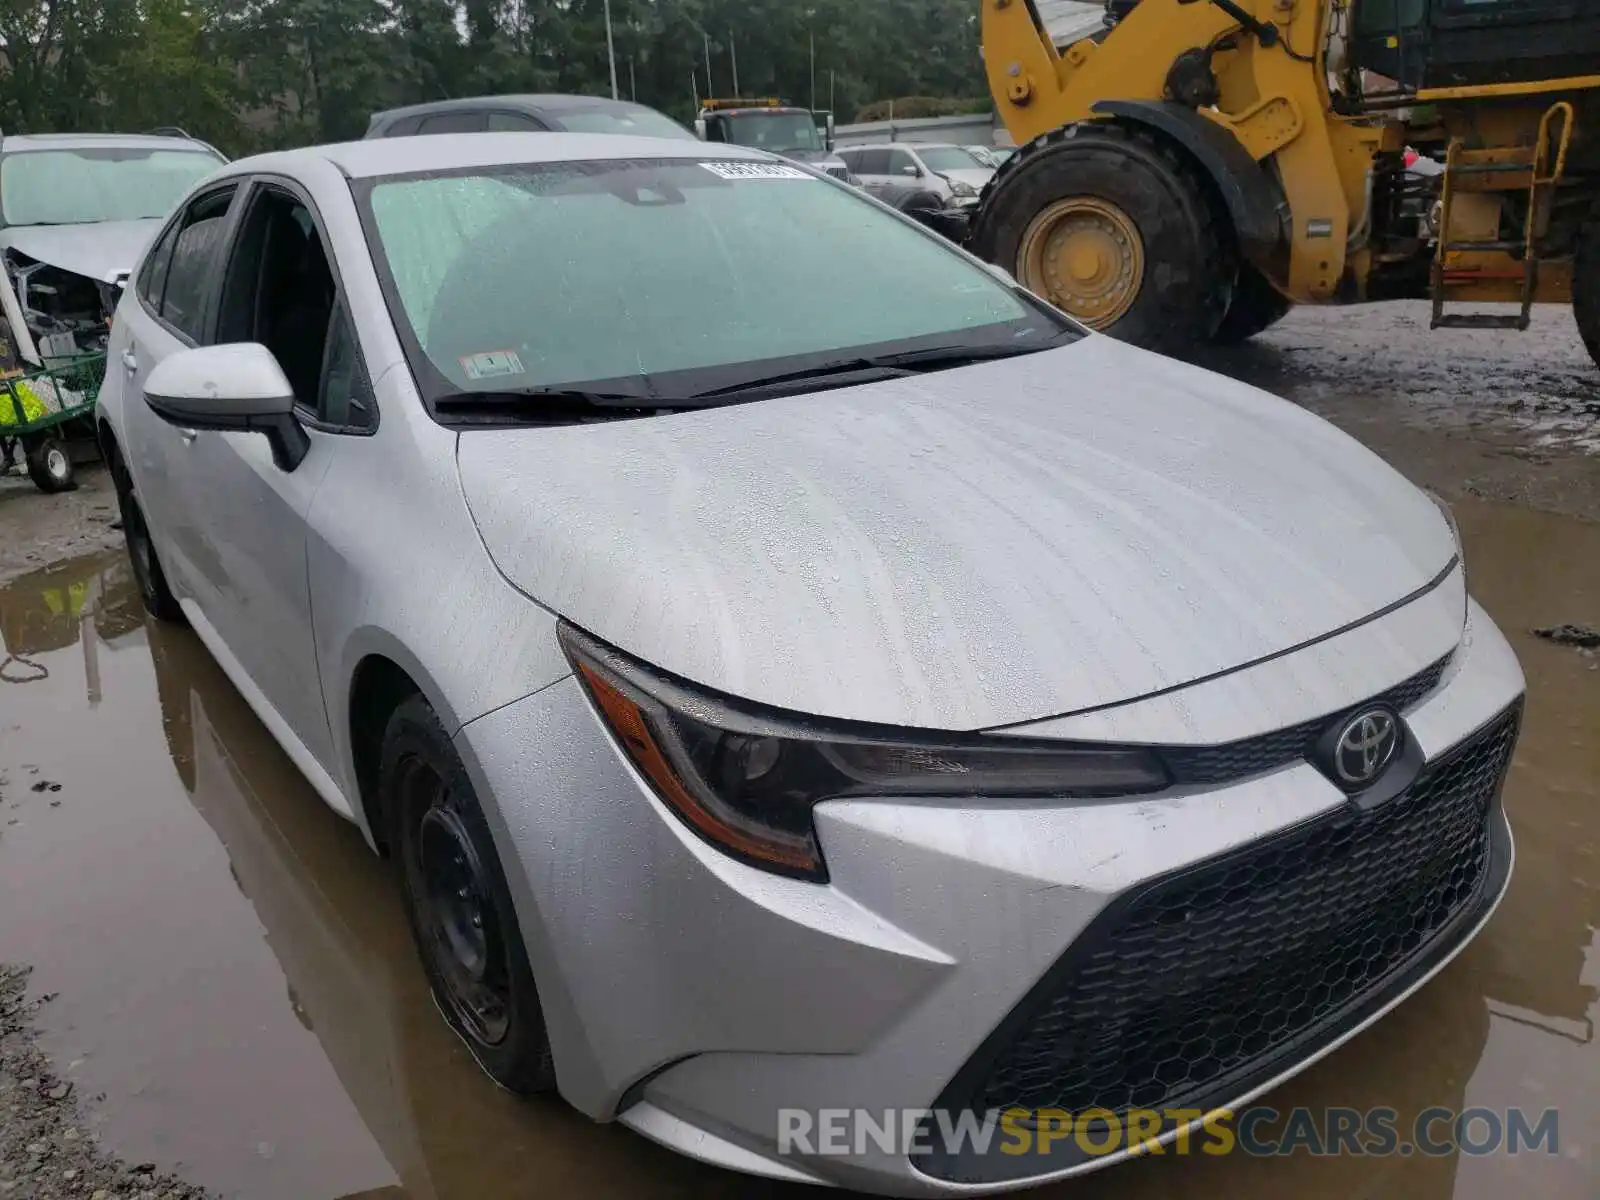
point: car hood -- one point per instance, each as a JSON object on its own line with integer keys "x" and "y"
{"x": 100, "y": 250}
{"x": 961, "y": 549}
{"x": 977, "y": 176}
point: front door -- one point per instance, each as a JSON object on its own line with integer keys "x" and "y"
{"x": 277, "y": 289}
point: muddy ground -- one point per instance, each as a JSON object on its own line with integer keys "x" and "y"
{"x": 220, "y": 986}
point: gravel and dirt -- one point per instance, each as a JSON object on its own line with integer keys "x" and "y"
{"x": 44, "y": 1150}
{"x": 221, "y": 994}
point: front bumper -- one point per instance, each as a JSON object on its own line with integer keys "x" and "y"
{"x": 697, "y": 999}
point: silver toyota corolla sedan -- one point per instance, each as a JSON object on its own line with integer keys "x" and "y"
{"x": 826, "y": 710}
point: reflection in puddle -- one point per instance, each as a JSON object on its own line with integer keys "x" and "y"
{"x": 236, "y": 982}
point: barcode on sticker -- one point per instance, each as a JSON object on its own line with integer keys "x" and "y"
{"x": 754, "y": 170}
{"x": 491, "y": 363}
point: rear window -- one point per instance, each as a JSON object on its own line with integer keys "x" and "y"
{"x": 641, "y": 122}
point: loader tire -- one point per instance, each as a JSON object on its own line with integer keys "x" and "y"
{"x": 1116, "y": 228}
{"x": 1257, "y": 306}
{"x": 1586, "y": 284}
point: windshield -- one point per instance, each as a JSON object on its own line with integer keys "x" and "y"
{"x": 776, "y": 131}
{"x": 677, "y": 275}
{"x": 948, "y": 158}
{"x": 641, "y": 121}
{"x": 82, "y": 186}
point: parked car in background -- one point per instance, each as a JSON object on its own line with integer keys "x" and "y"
{"x": 949, "y": 170}
{"x": 791, "y": 666}
{"x": 526, "y": 114}
{"x": 991, "y": 156}
{"x": 76, "y": 211}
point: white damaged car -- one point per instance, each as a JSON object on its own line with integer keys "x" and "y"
{"x": 76, "y": 211}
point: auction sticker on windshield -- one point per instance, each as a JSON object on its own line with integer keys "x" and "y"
{"x": 490, "y": 363}
{"x": 754, "y": 170}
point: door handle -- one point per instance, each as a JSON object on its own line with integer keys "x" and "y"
{"x": 130, "y": 361}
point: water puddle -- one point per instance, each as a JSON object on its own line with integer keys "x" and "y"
{"x": 237, "y": 998}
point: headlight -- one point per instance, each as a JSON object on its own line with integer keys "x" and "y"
{"x": 960, "y": 187}
{"x": 747, "y": 780}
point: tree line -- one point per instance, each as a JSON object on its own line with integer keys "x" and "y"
{"x": 250, "y": 75}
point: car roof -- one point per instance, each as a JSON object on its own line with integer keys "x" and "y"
{"x": 21, "y": 142}
{"x": 902, "y": 146}
{"x": 540, "y": 102}
{"x": 431, "y": 152}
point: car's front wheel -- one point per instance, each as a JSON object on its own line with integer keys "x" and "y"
{"x": 154, "y": 592}
{"x": 458, "y": 904}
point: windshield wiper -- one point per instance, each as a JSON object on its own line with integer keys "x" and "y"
{"x": 845, "y": 372}
{"x": 553, "y": 404}
{"x": 939, "y": 358}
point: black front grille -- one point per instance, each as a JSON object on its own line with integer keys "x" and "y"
{"x": 1269, "y": 751}
{"x": 1197, "y": 984}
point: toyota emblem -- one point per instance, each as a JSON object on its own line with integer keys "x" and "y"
{"x": 1365, "y": 746}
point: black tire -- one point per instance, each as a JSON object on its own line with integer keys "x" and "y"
{"x": 148, "y": 576}
{"x": 1187, "y": 281}
{"x": 1586, "y": 284}
{"x": 49, "y": 463}
{"x": 458, "y": 905}
{"x": 1257, "y": 306}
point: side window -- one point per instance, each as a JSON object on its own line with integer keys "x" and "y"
{"x": 899, "y": 160}
{"x": 510, "y": 122}
{"x": 279, "y": 289}
{"x": 153, "y": 272}
{"x": 346, "y": 395}
{"x": 852, "y": 160}
{"x": 190, "y": 272}
{"x": 874, "y": 162}
{"x": 453, "y": 122}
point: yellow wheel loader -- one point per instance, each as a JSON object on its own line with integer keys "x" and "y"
{"x": 1188, "y": 169}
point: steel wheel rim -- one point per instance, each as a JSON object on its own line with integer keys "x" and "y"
{"x": 456, "y": 916}
{"x": 1086, "y": 257}
{"x": 55, "y": 462}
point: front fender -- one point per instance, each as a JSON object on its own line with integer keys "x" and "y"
{"x": 1256, "y": 206}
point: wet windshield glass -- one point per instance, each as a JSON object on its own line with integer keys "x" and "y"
{"x": 669, "y": 272}
{"x": 775, "y": 131}
{"x": 948, "y": 158}
{"x": 75, "y": 187}
{"x": 639, "y": 121}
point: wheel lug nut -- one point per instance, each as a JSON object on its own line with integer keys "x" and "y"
{"x": 462, "y": 893}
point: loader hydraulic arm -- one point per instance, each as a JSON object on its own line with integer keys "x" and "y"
{"x": 1266, "y": 34}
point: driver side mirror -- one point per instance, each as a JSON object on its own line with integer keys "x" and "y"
{"x": 238, "y": 388}
{"x": 914, "y": 171}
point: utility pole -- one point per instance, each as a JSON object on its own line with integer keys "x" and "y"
{"x": 733, "y": 54}
{"x": 633, "y": 82}
{"x": 611, "y": 51}
{"x": 711, "y": 88}
{"x": 813, "y": 36}
{"x": 694, "y": 90}
{"x": 830, "y": 93}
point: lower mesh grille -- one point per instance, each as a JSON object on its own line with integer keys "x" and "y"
{"x": 1181, "y": 991}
